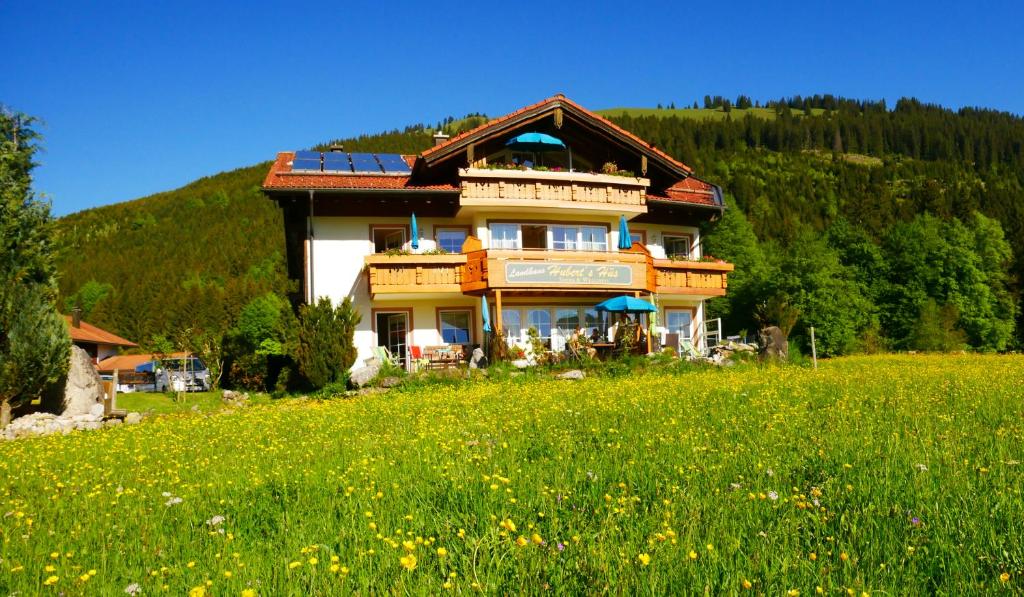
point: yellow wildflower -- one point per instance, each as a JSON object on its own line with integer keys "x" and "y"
{"x": 409, "y": 546}
{"x": 644, "y": 559}
{"x": 1004, "y": 577}
{"x": 52, "y": 580}
{"x": 522, "y": 542}
{"x": 508, "y": 525}
{"x": 692, "y": 555}
{"x": 294, "y": 565}
{"x": 536, "y": 539}
{"x": 441, "y": 552}
{"x": 199, "y": 591}
{"x": 408, "y": 562}
{"x": 248, "y": 593}
{"x": 747, "y": 584}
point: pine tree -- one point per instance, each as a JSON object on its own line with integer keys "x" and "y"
{"x": 326, "y": 347}
{"x": 34, "y": 343}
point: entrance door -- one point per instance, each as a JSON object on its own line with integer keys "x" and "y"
{"x": 392, "y": 332}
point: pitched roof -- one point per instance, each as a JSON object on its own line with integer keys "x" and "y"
{"x": 281, "y": 177}
{"x": 86, "y": 332}
{"x": 128, "y": 362}
{"x": 552, "y": 102}
{"x": 692, "y": 190}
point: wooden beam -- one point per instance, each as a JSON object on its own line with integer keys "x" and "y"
{"x": 497, "y": 308}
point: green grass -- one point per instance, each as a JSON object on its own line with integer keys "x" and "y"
{"x": 164, "y": 403}
{"x": 885, "y": 475}
{"x": 700, "y": 113}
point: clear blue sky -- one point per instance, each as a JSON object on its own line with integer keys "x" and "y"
{"x": 140, "y": 98}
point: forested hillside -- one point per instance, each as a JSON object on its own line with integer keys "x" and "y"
{"x": 884, "y": 228}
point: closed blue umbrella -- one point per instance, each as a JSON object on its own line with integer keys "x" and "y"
{"x": 625, "y": 238}
{"x": 485, "y": 312}
{"x": 625, "y": 304}
{"x": 415, "y": 232}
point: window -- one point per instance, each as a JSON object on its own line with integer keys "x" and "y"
{"x": 534, "y": 236}
{"x": 451, "y": 239}
{"x": 455, "y": 326}
{"x": 563, "y": 238}
{"x": 386, "y": 238}
{"x": 679, "y": 321}
{"x": 512, "y": 323}
{"x": 504, "y": 236}
{"x": 595, "y": 321}
{"x": 638, "y": 237}
{"x": 594, "y": 238}
{"x": 677, "y": 247}
{"x": 541, "y": 320}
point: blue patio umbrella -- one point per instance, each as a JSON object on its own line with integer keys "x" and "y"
{"x": 485, "y": 312}
{"x": 414, "y": 231}
{"x": 625, "y": 238}
{"x": 625, "y": 304}
{"x": 537, "y": 143}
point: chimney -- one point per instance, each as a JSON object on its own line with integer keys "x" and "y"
{"x": 440, "y": 138}
{"x": 76, "y": 317}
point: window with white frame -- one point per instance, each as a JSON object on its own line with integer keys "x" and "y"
{"x": 563, "y": 238}
{"x": 677, "y": 246}
{"x": 451, "y": 239}
{"x": 455, "y": 325}
{"x": 504, "y": 236}
{"x": 679, "y": 321}
{"x": 594, "y": 238}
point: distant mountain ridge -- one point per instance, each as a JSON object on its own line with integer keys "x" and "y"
{"x": 187, "y": 260}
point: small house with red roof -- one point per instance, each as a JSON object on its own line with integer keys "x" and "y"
{"x": 530, "y": 219}
{"x": 99, "y": 343}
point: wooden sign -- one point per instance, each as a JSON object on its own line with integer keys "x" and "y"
{"x": 568, "y": 273}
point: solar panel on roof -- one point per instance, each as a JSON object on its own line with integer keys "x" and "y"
{"x": 307, "y": 155}
{"x": 336, "y": 162}
{"x": 365, "y": 162}
{"x": 306, "y": 165}
{"x": 393, "y": 163}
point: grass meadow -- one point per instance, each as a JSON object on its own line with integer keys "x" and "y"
{"x": 872, "y": 475}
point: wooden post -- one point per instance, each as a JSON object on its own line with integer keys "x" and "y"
{"x": 814, "y": 349}
{"x": 497, "y": 309}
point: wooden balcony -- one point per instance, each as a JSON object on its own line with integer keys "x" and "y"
{"x": 403, "y": 274}
{"x": 479, "y": 271}
{"x": 691, "y": 277}
{"x": 531, "y": 189}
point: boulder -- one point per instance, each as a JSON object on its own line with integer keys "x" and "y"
{"x": 574, "y": 374}
{"x": 365, "y": 374}
{"x": 774, "y": 344}
{"x": 133, "y": 419}
{"x": 84, "y": 389}
{"x": 390, "y": 382}
{"x": 520, "y": 363}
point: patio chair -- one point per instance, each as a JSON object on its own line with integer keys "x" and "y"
{"x": 385, "y": 356}
{"x": 687, "y": 349}
{"x": 418, "y": 360}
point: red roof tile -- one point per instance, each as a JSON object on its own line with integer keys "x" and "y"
{"x": 690, "y": 190}
{"x": 280, "y": 176}
{"x": 86, "y": 332}
{"x": 128, "y": 362}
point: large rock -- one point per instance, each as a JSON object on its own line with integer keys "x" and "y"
{"x": 774, "y": 344}
{"x": 574, "y": 374}
{"x": 84, "y": 389}
{"x": 365, "y": 374}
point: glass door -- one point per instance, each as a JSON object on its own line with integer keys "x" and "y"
{"x": 392, "y": 332}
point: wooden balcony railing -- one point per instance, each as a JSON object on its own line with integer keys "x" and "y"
{"x": 395, "y": 274}
{"x": 481, "y": 270}
{"x": 691, "y": 277}
{"x": 531, "y": 189}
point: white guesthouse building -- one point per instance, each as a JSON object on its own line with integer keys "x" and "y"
{"x": 523, "y": 212}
